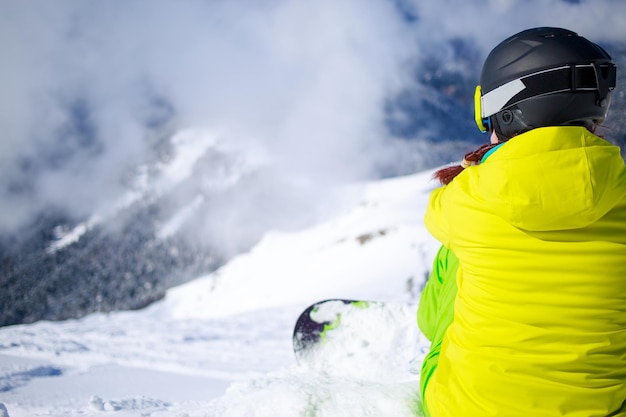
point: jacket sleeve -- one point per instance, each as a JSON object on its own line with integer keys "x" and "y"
{"x": 435, "y": 217}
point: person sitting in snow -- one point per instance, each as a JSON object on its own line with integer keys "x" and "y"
{"x": 526, "y": 305}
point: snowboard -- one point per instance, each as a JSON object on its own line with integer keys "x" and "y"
{"x": 360, "y": 346}
{"x": 344, "y": 335}
{"x": 317, "y": 320}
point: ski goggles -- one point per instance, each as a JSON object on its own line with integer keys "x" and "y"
{"x": 568, "y": 78}
{"x": 483, "y": 123}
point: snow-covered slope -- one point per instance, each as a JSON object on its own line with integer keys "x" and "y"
{"x": 376, "y": 249}
{"x": 232, "y": 329}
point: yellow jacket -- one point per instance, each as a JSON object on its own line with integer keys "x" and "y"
{"x": 539, "y": 325}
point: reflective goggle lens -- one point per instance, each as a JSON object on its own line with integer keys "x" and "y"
{"x": 483, "y": 123}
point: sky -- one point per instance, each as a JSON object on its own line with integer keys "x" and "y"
{"x": 89, "y": 88}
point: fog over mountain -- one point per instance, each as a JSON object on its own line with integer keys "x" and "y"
{"x": 146, "y": 142}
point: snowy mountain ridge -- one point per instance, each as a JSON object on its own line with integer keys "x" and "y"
{"x": 143, "y": 238}
{"x": 189, "y": 146}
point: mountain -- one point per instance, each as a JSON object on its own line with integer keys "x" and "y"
{"x": 195, "y": 199}
{"x": 129, "y": 252}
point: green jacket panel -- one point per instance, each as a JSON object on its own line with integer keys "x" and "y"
{"x": 436, "y": 310}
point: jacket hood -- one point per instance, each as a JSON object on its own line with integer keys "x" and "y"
{"x": 551, "y": 178}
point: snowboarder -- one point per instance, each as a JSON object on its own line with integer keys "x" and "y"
{"x": 526, "y": 305}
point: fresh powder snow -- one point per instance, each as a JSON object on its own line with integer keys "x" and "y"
{"x": 221, "y": 344}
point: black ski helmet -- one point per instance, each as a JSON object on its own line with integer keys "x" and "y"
{"x": 543, "y": 77}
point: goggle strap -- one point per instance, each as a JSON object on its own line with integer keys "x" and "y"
{"x": 585, "y": 77}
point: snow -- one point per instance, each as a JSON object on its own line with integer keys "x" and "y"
{"x": 190, "y": 146}
{"x": 221, "y": 345}
{"x": 67, "y": 237}
{"x": 179, "y": 218}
